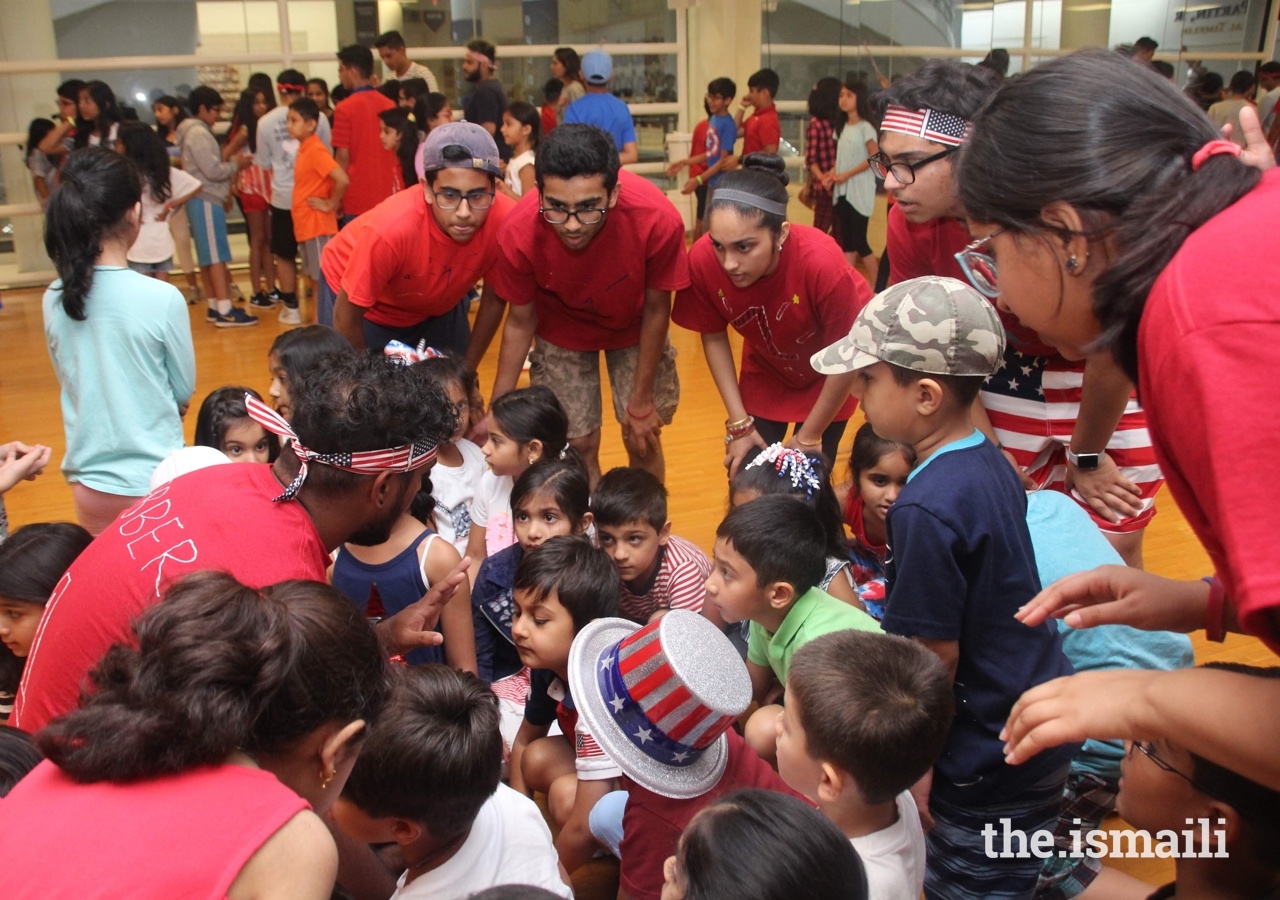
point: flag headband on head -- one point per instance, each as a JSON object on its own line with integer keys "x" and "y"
{"x": 930, "y": 124}
{"x": 402, "y": 353}
{"x": 488, "y": 61}
{"x": 364, "y": 462}
{"x": 287, "y": 88}
{"x": 749, "y": 199}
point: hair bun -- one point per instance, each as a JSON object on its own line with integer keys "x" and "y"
{"x": 768, "y": 164}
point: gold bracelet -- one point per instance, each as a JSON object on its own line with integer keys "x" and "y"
{"x": 738, "y": 424}
{"x": 817, "y": 443}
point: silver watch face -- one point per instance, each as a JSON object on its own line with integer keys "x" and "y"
{"x": 1086, "y": 461}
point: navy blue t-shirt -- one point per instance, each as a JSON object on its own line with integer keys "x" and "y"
{"x": 959, "y": 565}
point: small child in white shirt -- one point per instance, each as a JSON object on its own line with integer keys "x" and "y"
{"x": 460, "y": 464}
{"x": 866, "y": 718}
{"x": 428, "y": 779}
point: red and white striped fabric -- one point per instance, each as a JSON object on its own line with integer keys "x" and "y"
{"x": 1033, "y": 404}
{"x": 514, "y": 687}
{"x": 930, "y": 124}
{"x": 679, "y": 585}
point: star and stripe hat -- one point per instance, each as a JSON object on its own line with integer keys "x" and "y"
{"x": 658, "y": 699}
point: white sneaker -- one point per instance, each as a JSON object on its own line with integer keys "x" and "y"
{"x": 290, "y": 316}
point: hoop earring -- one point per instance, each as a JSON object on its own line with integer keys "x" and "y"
{"x": 326, "y": 778}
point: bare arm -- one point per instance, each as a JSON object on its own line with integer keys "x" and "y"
{"x": 348, "y": 320}
{"x": 298, "y": 861}
{"x": 238, "y": 140}
{"x": 52, "y": 144}
{"x": 342, "y": 156}
{"x": 517, "y": 336}
{"x": 488, "y": 318}
{"x": 575, "y": 843}
{"x": 455, "y": 619}
{"x": 655, "y": 321}
{"x": 724, "y": 373}
{"x": 834, "y": 393}
{"x": 528, "y": 181}
{"x": 762, "y": 680}
{"x": 476, "y": 551}
{"x": 1103, "y": 397}
{"x": 947, "y": 651}
{"x": 630, "y": 153}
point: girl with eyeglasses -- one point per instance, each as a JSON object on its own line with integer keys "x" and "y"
{"x": 788, "y": 290}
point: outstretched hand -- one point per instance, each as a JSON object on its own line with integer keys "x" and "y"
{"x": 19, "y": 461}
{"x": 1120, "y": 595}
{"x": 1257, "y": 152}
{"x": 413, "y": 626}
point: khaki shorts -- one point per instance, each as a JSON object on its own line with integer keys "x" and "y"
{"x": 574, "y": 375}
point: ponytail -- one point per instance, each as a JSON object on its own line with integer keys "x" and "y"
{"x": 1115, "y": 141}
{"x": 96, "y": 190}
{"x": 763, "y": 175}
{"x": 219, "y": 667}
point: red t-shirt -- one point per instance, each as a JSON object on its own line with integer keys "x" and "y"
{"x": 652, "y": 823}
{"x": 809, "y": 301}
{"x": 186, "y": 835}
{"x": 760, "y": 130}
{"x": 549, "y": 119}
{"x": 930, "y": 248}
{"x": 356, "y": 127}
{"x": 402, "y": 267}
{"x": 220, "y": 518}
{"x": 699, "y": 145}
{"x": 1206, "y": 349}
{"x": 592, "y": 299}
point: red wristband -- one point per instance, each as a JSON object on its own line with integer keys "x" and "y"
{"x": 632, "y": 414}
{"x": 1215, "y": 618}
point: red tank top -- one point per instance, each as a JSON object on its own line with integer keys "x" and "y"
{"x": 183, "y": 836}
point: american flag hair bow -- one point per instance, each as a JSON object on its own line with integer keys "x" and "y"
{"x": 406, "y": 355}
{"x": 792, "y": 464}
{"x": 930, "y": 124}
{"x": 364, "y": 462}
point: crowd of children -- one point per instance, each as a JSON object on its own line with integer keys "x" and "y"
{"x": 817, "y": 707}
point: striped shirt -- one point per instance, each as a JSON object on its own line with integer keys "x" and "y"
{"x": 679, "y": 584}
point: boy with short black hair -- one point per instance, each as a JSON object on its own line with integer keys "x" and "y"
{"x": 551, "y": 92}
{"x": 770, "y": 555}
{"x": 762, "y": 133}
{"x": 961, "y": 565}
{"x": 202, "y": 158}
{"x": 866, "y": 718}
{"x": 716, "y": 151}
{"x": 1169, "y": 792}
{"x": 659, "y": 571}
{"x": 428, "y": 779}
{"x": 356, "y": 127}
{"x": 561, "y": 586}
{"x": 318, "y": 186}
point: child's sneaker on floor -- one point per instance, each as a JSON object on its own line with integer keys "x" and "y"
{"x": 212, "y": 317}
{"x": 262, "y": 301}
{"x": 237, "y": 318}
{"x": 290, "y": 316}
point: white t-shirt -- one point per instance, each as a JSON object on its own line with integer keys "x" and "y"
{"x": 894, "y": 857}
{"x": 509, "y": 843}
{"x": 851, "y": 149}
{"x": 418, "y": 70}
{"x": 277, "y": 152}
{"x": 454, "y": 487}
{"x": 155, "y": 240}
{"x": 517, "y": 163}
{"x": 1267, "y": 107}
{"x": 492, "y": 511}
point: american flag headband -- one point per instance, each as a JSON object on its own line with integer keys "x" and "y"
{"x": 365, "y": 462}
{"x": 791, "y": 464}
{"x": 930, "y": 124}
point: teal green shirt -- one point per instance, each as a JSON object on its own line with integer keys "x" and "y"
{"x": 124, "y": 371}
{"x": 816, "y": 613}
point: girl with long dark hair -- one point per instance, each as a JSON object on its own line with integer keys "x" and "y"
{"x": 164, "y": 190}
{"x": 100, "y": 116}
{"x": 820, "y": 149}
{"x": 253, "y": 185}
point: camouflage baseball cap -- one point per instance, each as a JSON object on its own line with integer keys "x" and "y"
{"x": 934, "y": 325}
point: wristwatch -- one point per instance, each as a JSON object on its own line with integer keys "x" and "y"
{"x": 1085, "y": 462}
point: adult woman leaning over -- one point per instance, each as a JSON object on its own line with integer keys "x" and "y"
{"x": 785, "y": 288}
{"x": 120, "y": 341}
{"x": 203, "y": 759}
{"x": 1125, "y": 237}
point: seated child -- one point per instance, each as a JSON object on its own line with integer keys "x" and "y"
{"x": 760, "y": 845}
{"x": 1171, "y": 794}
{"x": 659, "y": 571}
{"x": 427, "y": 779}
{"x": 460, "y": 464}
{"x": 693, "y": 755}
{"x": 223, "y": 423}
{"x": 32, "y": 562}
{"x": 778, "y": 470}
{"x": 559, "y": 588}
{"x": 866, "y": 718}
{"x": 962, "y": 565}
{"x": 1066, "y": 541}
{"x": 292, "y": 357}
{"x": 878, "y": 471}
{"x": 549, "y": 499}
{"x": 769, "y": 556}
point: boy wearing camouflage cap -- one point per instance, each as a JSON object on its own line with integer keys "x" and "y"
{"x": 960, "y": 565}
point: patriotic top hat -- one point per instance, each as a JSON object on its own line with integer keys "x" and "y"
{"x": 659, "y": 698}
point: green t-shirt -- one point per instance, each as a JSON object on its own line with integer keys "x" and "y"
{"x": 816, "y": 613}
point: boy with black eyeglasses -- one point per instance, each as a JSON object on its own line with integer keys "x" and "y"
{"x": 399, "y": 270}
{"x": 588, "y": 264}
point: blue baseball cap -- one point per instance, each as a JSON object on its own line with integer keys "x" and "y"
{"x": 597, "y": 67}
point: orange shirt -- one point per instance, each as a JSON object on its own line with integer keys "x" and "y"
{"x": 311, "y": 170}
{"x": 402, "y": 267}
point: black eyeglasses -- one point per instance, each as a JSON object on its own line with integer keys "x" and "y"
{"x": 980, "y": 268}
{"x": 586, "y": 216}
{"x": 448, "y": 198}
{"x": 904, "y": 172}
{"x": 1148, "y": 749}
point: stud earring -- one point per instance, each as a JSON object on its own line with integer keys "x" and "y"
{"x": 1072, "y": 264}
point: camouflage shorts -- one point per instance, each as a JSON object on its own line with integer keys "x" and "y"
{"x": 574, "y": 375}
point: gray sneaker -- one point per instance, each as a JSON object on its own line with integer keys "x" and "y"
{"x": 290, "y": 316}
{"x": 237, "y": 318}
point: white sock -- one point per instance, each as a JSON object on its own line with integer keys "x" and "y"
{"x": 224, "y": 307}
{"x": 213, "y": 304}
